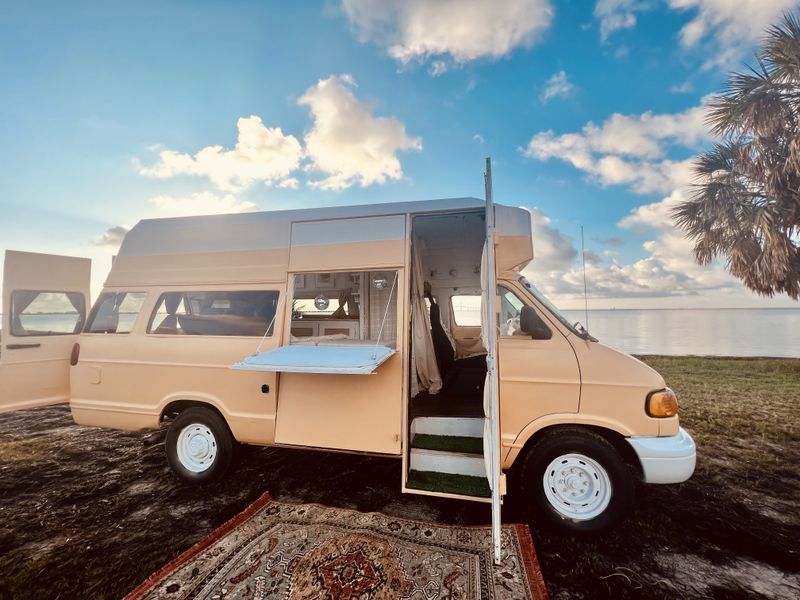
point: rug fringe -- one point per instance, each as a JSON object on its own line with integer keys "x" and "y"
{"x": 532, "y": 569}
{"x": 156, "y": 578}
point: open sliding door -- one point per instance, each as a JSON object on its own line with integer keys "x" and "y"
{"x": 491, "y": 432}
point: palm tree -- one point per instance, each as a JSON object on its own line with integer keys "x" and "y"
{"x": 745, "y": 205}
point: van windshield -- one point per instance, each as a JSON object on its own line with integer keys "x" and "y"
{"x": 577, "y": 329}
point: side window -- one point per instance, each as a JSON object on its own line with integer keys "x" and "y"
{"x": 510, "y": 309}
{"x": 240, "y": 313}
{"x": 115, "y": 312}
{"x": 46, "y": 313}
{"x": 466, "y": 310}
{"x": 349, "y": 305}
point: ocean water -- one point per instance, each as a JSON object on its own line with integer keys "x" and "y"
{"x": 676, "y": 332}
{"x": 701, "y": 332}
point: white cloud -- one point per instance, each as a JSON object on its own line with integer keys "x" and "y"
{"x": 438, "y": 67}
{"x": 630, "y": 150}
{"x": 553, "y": 250}
{"x": 111, "y": 237}
{"x": 610, "y": 241}
{"x": 683, "y": 88}
{"x": 449, "y": 31}
{"x": 261, "y": 154}
{"x": 557, "y": 86}
{"x": 347, "y": 142}
{"x": 200, "y": 203}
{"x": 478, "y": 138}
{"x": 729, "y": 27}
{"x": 290, "y": 183}
{"x": 616, "y": 14}
{"x": 635, "y": 151}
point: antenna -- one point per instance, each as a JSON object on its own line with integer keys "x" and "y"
{"x": 585, "y": 296}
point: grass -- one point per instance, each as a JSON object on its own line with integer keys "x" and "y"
{"x": 466, "y": 485}
{"x": 23, "y": 450}
{"x": 733, "y": 529}
{"x": 448, "y": 443}
{"x": 740, "y": 411}
{"x": 90, "y": 513}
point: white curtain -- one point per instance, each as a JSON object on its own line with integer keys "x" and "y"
{"x": 423, "y": 358}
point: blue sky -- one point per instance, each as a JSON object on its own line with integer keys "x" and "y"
{"x": 111, "y": 112}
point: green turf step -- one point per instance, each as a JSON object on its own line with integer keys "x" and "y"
{"x": 464, "y": 485}
{"x": 448, "y": 443}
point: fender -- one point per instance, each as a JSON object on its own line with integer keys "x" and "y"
{"x": 245, "y": 427}
{"x": 513, "y": 449}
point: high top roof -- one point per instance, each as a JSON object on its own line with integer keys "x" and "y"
{"x": 259, "y": 230}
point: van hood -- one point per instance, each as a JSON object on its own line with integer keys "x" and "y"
{"x": 601, "y": 363}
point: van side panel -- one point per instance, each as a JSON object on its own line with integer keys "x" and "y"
{"x": 348, "y": 412}
{"x": 256, "y": 266}
{"x": 365, "y": 244}
{"x": 125, "y": 381}
{"x": 344, "y": 412}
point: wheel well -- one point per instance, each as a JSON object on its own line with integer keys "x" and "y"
{"x": 617, "y": 440}
{"x": 175, "y": 407}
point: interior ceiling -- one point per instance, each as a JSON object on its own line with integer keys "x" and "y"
{"x": 452, "y": 247}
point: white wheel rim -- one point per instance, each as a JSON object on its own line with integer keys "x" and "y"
{"x": 197, "y": 447}
{"x": 577, "y": 487}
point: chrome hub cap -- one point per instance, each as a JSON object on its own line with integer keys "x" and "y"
{"x": 197, "y": 448}
{"x": 577, "y": 486}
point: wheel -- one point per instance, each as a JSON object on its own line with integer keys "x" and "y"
{"x": 576, "y": 481}
{"x": 199, "y": 445}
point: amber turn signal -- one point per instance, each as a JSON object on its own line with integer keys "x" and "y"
{"x": 662, "y": 403}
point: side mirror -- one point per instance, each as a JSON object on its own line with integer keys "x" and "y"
{"x": 531, "y": 324}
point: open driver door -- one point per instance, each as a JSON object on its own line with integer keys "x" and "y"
{"x": 45, "y": 298}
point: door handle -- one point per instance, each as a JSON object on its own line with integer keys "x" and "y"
{"x": 21, "y": 346}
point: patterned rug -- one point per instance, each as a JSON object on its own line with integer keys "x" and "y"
{"x": 276, "y": 550}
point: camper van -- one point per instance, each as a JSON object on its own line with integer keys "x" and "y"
{"x": 403, "y": 329}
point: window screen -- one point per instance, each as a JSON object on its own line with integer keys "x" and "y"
{"x": 36, "y": 313}
{"x": 352, "y": 305}
{"x": 115, "y": 312}
{"x": 239, "y": 313}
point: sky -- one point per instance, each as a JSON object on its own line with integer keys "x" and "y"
{"x": 111, "y": 112}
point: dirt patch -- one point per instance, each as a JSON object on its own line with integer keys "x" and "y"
{"x": 90, "y": 513}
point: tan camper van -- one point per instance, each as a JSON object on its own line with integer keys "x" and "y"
{"x": 401, "y": 330}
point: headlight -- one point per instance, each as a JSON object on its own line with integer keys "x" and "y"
{"x": 662, "y": 403}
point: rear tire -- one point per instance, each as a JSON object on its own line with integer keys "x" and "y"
{"x": 575, "y": 481}
{"x": 199, "y": 445}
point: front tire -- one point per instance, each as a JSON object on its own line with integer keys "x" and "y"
{"x": 199, "y": 445}
{"x": 576, "y": 481}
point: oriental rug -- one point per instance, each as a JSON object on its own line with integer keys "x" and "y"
{"x": 276, "y": 550}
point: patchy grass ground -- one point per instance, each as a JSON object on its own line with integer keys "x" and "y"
{"x": 89, "y": 513}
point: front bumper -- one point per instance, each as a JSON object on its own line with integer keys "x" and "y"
{"x": 666, "y": 459}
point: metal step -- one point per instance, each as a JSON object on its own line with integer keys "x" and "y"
{"x": 461, "y": 426}
{"x": 455, "y": 463}
{"x": 451, "y": 485}
{"x": 448, "y": 443}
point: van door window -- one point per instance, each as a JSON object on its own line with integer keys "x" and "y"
{"x": 115, "y": 312}
{"x": 510, "y": 309}
{"x": 35, "y": 313}
{"x": 224, "y": 313}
